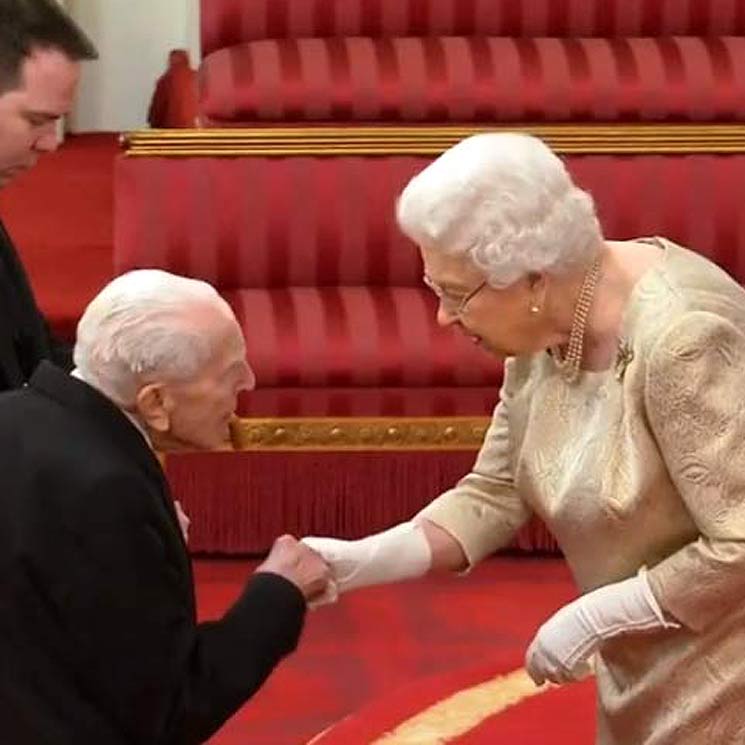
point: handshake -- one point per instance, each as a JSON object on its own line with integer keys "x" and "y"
{"x": 321, "y": 568}
{"x": 306, "y": 569}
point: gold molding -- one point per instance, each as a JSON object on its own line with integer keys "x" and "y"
{"x": 359, "y": 433}
{"x": 594, "y": 139}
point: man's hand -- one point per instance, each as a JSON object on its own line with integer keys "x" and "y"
{"x": 564, "y": 644}
{"x": 297, "y": 563}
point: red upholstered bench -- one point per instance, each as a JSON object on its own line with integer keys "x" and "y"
{"x": 328, "y": 292}
{"x": 225, "y": 23}
{"x": 470, "y": 60}
{"x": 474, "y": 79}
{"x": 462, "y": 61}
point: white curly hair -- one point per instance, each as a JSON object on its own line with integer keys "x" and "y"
{"x": 505, "y": 201}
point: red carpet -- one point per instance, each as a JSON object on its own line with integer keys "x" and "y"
{"x": 562, "y": 716}
{"x": 566, "y": 712}
{"x": 379, "y": 641}
{"x": 60, "y": 215}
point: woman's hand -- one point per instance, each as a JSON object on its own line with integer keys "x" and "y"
{"x": 402, "y": 552}
{"x": 563, "y": 646}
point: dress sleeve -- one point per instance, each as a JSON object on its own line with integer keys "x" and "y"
{"x": 696, "y": 410}
{"x": 483, "y": 510}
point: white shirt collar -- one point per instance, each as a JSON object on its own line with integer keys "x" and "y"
{"x": 77, "y": 374}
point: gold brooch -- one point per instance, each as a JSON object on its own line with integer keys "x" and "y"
{"x": 624, "y": 356}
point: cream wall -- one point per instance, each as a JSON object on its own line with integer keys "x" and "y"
{"x": 133, "y": 38}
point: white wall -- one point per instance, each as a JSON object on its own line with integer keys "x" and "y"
{"x": 133, "y": 39}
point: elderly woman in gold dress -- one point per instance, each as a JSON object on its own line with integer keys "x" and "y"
{"x": 621, "y": 425}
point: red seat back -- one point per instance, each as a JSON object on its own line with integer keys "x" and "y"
{"x": 228, "y": 22}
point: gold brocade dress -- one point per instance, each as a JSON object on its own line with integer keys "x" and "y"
{"x": 640, "y": 465}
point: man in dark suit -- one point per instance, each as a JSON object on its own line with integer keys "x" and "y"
{"x": 40, "y": 53}
{"x": 98, "y": 637}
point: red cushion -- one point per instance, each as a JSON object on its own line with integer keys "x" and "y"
{"x": 437, "y": 401}
{"x": 277, "y": 222}
{"x": 694, "y": 200}
{"x": 355, "y": 336}
{"x": 228, "y": 22}
{"x": 475, "y": 79}
{"x": 371, "y": 346}
{"x": 266, "y": 222}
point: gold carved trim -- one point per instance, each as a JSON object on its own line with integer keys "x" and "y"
{"x": 359, "y": 433}
{"x": 594, "y": 139}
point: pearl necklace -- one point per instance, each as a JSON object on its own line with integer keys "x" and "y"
{"x": 569, "y": 365}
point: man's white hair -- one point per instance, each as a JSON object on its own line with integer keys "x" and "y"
{"x": 137, "y": 328}
{"x": 506, "y": 202}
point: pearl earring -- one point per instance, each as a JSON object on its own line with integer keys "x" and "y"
{"x": 535, "y": 309}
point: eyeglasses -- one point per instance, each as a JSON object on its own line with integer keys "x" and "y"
{"x": 454, "y": 305}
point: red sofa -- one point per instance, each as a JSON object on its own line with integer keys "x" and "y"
{"x": 461, "y": 60}
{"x": 469, "y": 61}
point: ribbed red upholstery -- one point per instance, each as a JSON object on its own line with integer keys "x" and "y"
{"x": 694, "y": 200}
{"x": 329, "y": 294}
{"x": 475, "y": 79}
{"x": 228, "y": 22}
{"x": 266, "y": 222}
{"x": 379, "y": 401}
{"x": 311, "y": 222}
{"x": 354, "y": 336}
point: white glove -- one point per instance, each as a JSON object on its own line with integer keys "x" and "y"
{"x": 561, "y": 649}
{"x": 402, "y": 552}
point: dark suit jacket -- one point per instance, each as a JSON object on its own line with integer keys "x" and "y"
{"x": 98, "y": 638}
{"x": 24, "y": 335}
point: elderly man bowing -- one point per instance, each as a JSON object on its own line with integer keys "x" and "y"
{"x": 98, "y": 637}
